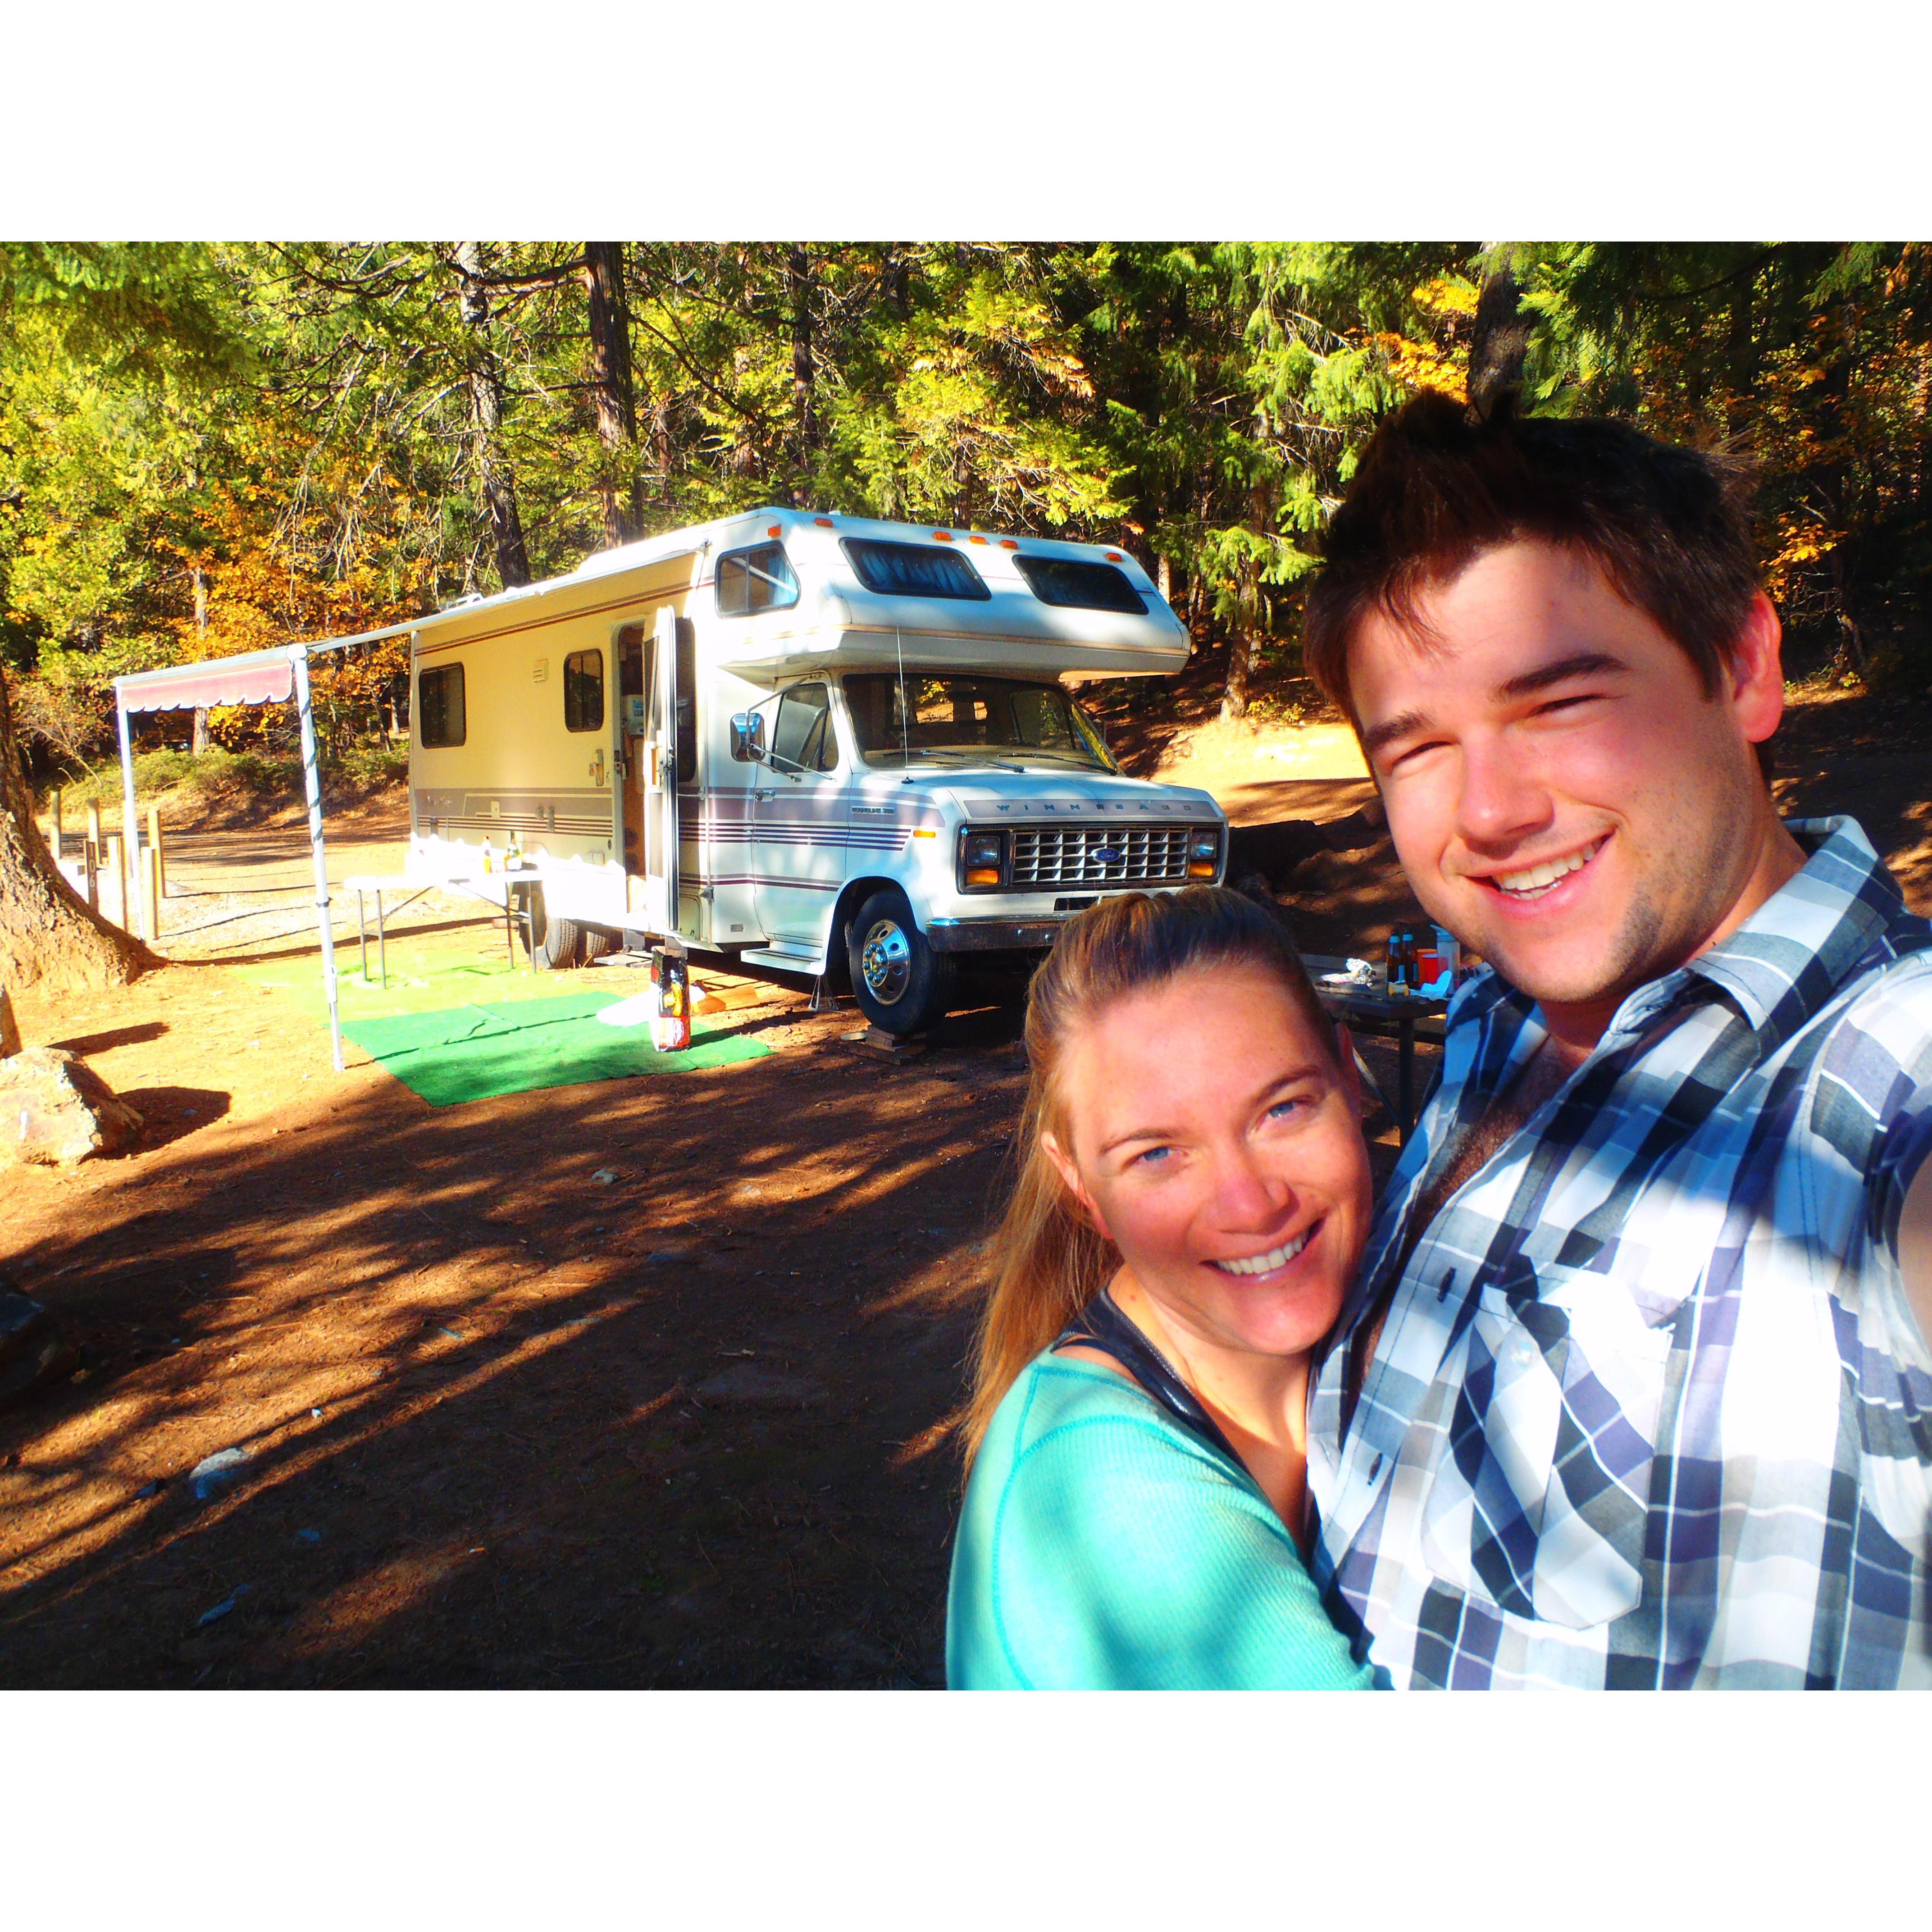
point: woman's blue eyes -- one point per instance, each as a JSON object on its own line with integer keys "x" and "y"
{"x": 1154, "y": 1156}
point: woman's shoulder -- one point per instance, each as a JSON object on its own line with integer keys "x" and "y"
{"x": 1103, "y": 1543}
{"x": 1071, "y": 1426}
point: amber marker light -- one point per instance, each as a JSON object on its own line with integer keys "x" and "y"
{"x": 775, "y": 531}
{"x": 944, "y": 536}
{"x": 1007, "y": 543}
{"x": 824, "y": 522}
{"x": 1114, "y": 556}
{"x": 977, "y": 540}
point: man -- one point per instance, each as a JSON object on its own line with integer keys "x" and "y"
{"x": 1634, "y": 1389}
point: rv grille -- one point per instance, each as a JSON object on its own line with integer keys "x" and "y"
{"x": 1118, "y": 855}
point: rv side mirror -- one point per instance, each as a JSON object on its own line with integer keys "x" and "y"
{"x": 747, "y": 737}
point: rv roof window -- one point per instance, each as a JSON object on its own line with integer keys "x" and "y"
{"x": 439, "y": 705}
{"x": 1080, "y": 586}
{"x": 751, "y": 580}
{"x": 913, "y": 570}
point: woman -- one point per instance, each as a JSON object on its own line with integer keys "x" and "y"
{"x": 1193, "y": 1196}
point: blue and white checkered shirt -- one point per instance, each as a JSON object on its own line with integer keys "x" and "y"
{"x": 1650, "y": 1408}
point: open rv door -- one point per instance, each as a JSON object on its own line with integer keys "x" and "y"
{"x": 660, "y": 781}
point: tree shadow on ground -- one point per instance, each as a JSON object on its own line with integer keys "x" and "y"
{"x": 101, "y": 1042}
{"x": 531, "y": 1464}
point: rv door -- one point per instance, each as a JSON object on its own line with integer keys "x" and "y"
{"x": 660, "y": 781}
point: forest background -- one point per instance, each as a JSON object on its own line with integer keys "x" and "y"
{"x": 210, "y": 448}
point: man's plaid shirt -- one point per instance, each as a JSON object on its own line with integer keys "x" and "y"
{"x": 1650, "y": 1408}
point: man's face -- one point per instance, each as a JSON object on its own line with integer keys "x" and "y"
{"x": 1562, "y": 794}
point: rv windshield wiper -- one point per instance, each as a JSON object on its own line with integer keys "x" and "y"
{"x": 970, "y": 757}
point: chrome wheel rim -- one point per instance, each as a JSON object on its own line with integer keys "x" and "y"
{"x": 886, "y": 960}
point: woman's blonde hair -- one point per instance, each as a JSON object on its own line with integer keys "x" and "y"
{"x": 1047, "y": 1262}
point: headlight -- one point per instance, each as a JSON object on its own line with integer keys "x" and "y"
{"x": 982, "y": 860}
{"x": 1204, "y": 853}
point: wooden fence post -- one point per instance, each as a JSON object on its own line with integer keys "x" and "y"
{"x": 94, "y": 827}
{"x": 151, "y": 896}
{"x": 117, "y": 864}
{"x": 160, "y": 854}
{"x": 55, "y": 841}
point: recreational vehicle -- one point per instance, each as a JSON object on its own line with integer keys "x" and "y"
{"x": 819, "y": 743}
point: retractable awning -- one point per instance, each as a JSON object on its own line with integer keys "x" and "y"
{"x": 254, "y": 677}
{"x": 257, "y": 677}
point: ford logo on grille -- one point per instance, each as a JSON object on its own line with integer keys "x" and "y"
{"x": 1110, "y": 855}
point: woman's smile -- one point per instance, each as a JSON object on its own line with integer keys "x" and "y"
{"x": 1272, "y": 1262}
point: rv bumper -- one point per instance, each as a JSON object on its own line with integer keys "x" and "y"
{"x": 992, "y": 935}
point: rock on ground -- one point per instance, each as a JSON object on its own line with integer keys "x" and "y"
{"x": 33, "y": 1351}
{"x": 55, "y": 1110}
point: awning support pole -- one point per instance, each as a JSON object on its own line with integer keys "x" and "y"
{"x": 135, "y": 919}
{"x": 312, "y": 783}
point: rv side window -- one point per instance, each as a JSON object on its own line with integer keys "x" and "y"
{"x": 751, "y": 580}
{"x": 913, "y": 570}
{"x": 584, "y": 691}
{"x": 1080, "y": 586}
{"x": 802, "y": 739}
{"x": 439, "y": 705}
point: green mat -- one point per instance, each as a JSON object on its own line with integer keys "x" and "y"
{"x": 515, "y": 1045}
{"x": 457, "y": 982}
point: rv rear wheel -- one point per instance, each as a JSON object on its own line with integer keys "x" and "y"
{"x": 557, "y": 944}
{"x": 901, "y": 984}
{"x": 597, "y": 941}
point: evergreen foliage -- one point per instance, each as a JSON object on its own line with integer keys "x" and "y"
{"x": 205, "y": 449}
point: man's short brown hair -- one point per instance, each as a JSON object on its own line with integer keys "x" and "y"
{"x": 1670, "y": 527}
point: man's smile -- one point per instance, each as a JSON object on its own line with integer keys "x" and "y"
{"x": 1535, "y": 882}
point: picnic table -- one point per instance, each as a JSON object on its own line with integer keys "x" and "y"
{"x": 1401, "y": 1016}
{"x": 377, "y": 883}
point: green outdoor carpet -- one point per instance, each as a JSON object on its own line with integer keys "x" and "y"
{"x": 420, "y": 989}
{"x": 475, "y": 1052}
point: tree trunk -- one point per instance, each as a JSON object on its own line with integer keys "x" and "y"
{"x": 46, "y": 932}
{"x": 198, "y": 742}
{"x": 1740, "y": 360}
{"x": 612, "y": 385}
{"x": 804, "y": 426}
{"x": 1243, "y": 633}
{"x": 486, "y": 413}
{"x": 1240, "y": 665}
{"x": 1834, "y": 486}
{"x": 1499, "y": 341}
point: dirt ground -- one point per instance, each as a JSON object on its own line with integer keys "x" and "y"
{"x": 509, "y": 1423}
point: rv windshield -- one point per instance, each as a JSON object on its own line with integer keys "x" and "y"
{"x": 960, "y": 718}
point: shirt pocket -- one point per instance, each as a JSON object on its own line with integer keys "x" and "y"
{"x": 1538, "y": 1496}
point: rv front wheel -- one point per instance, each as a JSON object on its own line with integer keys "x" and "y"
{"x": 901, "y": 984}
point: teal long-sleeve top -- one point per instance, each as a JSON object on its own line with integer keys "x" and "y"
{"x": 1104, "y": 1546}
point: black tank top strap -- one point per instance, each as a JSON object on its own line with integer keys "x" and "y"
{"x": 1101, "y": 1325}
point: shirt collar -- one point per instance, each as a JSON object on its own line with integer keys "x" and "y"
{"x": 1787, "y": 961}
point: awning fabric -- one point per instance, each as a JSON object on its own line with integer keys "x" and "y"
{"x": 258, "y": 677}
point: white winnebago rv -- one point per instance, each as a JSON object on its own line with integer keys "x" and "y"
{"x": 814, "y": 742}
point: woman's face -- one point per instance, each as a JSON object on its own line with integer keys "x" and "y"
{"x": 1213, "y": 1138}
